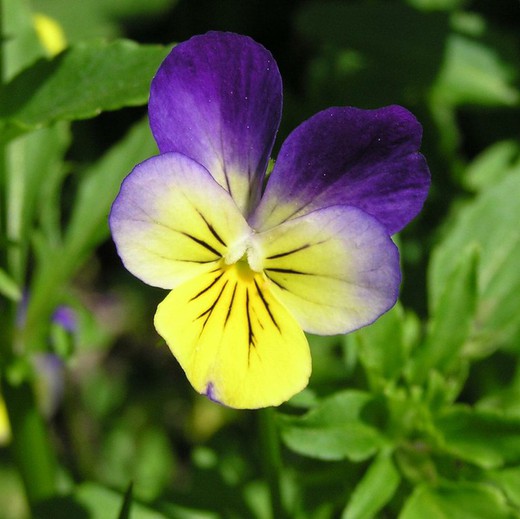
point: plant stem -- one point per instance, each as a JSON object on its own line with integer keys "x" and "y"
{"x": 271, "y": 458}
{"x": 30, "y": 443}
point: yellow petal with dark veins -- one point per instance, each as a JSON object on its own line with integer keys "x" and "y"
{"x": 233, "y": 339}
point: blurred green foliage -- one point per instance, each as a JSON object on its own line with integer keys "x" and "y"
{"x": 414, "y": 417}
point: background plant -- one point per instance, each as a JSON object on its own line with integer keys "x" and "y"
{"x": 416, "y": 416}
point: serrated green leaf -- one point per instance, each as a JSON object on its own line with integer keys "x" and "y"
{"x": 460, "y": 501}
{"x": 83, "y": 81}
{"x": 491, "y": 222}
{"x": 334, "y": 430}
{"x": 451, "y": 320}
{"x": 485, "y": 438}
{"x": 375, "y": 489}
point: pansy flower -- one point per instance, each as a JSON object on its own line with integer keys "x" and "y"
{"x": 250, "y": 269}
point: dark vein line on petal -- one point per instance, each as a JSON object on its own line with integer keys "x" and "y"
{"x": 290, "y": 271}
{"x": 293, "y": 251}
{"x": 209, "y": 311}
{"x": 211, "y": 229}
{"x": 305, "y": 296}
{"x": 188, "y": 235}
{"x": 311, "y": 274}
{"x": 223, "y": 162}
{"x": 193, "y": 261}
{"x": 250, "y": 334}
{"x": 230, "y": 304}
{"x": 282, "y": 254}
{"x": 276, "y": 282}
{"x": 266, "y": 305}
{"x": 201, "y": 242}
{"x": 207, "y": 288}
{"x": 169, "y": 258}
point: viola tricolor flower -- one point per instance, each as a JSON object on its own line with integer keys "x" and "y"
{"x": 249, "y": 269}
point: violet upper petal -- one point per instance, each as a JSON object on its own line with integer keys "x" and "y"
{"x": 365, "y": 158}
{"x": 217, "y": 98}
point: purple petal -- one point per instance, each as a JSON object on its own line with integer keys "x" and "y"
{"x": 365, "y": 158}
{"x": 217, "y": 98}
{"x": 65, "y": 316}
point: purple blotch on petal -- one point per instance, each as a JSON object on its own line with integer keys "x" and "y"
{"x": 210, "y": 392}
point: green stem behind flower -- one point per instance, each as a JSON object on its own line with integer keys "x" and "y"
{"x": 30, "y": 443}
{"x": 272, "y": 461}
{"x": 31, "y": 447}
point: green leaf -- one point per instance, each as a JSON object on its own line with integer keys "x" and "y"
{"x": 137, "y": 452}
{"x": 99, "y": 18}
{"x": 335, "y": 429}
{"x": 493, "y": 165}
{"x": 87, "y": 228}
{"x": 491, "y": 222}
{"x": 78, "y": 84}
{"x": 474, "y": 73}
{"x": 505, "y": 399}
{"x": 93, "y": 501}
{"x": 20, "y": 45}
{"x": 381, "y": 346}
{"x": 8, "y": 287}
{"x": 36, "y": 169}
{"x": 509, "y": 481}
{"x": 456, "y": 501}
{"x": 99, "y": 185}
{"x": 436, "y": 5}
{"x": 451, "y": 320}
{"x": 485, "y": 438}
{"x": 375, "y": 489}
{"x": 349, "y": 63}
{"x": 127, "y": 503}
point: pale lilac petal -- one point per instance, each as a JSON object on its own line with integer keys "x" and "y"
{"x": 365, "y": 158}
{"x": 335, "y": 269}
{"x": 217, "y": 98}
{"x": 171, "y": 221}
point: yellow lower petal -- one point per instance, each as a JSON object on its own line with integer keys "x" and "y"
{"x": 233, "y": 339}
